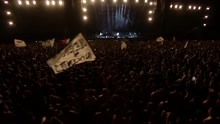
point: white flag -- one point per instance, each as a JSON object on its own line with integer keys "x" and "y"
{"x": 185, "y": 46}
{"x": 19, "y": 43}
{"x": 76, "y": 52}
{"x": 160, "y": 40}
{"x": 48, "y": 43}
{"x": 123, "y": 45}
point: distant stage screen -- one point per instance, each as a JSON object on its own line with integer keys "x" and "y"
{"x": 118, "y": 17}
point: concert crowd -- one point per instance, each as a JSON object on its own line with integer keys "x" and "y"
{"x": 145, "y": 83}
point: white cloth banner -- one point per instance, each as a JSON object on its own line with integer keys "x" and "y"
{"x": 76, "y": 52}
{"x": 185, "y": 46}
{"x": 123, "y": 45}
{"x": 160, "y": 40}
{"x": 48, "y": 43}
{"x": 19, "y": 43}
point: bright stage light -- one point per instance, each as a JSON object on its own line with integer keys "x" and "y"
{"x": 206, "y": 17}
{"x": 92, "y": 1}
{"x": 84, "y": 1}
{"x": 151, "y": 3}
{"x": 103, "y": 0}
{"x": 146, "y": 1}
{"x": 8, "y": 12}
{"x": 60, "y": 2}
{"x": 53, "y": 3}
{"x": 199, "y": 8}
{"x": 85, "y": 17}
{"x": 27, "y": 2}
{"x": 47, "y": 2}
{"x": 194, "y": 7}
{"x": 180, "y": 7}
{"x": 150, "y": 19}
{"x": 84, "y": 9}
{"x": 10, "y": 23}
{"x": 190, "y": 7}
{"x": 19, "y": 2}
{"x": 6, "y": 2}
{"x": 207, "y": 8}
{"x": 34, "y": 2}
{"x": 204, "y": 24}
{"x": 125, "y": 1}
{"x": 150, "y": 11}
{"x": 114, "y": 1}
{"x": 176, "y": 6}
{"x": 136, "y": 1}
{"x": 171, "y": 6}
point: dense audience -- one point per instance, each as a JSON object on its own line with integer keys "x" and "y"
{"x": 146, "y": 83}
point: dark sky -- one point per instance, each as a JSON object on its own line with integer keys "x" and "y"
{"x": 34, "y": 23}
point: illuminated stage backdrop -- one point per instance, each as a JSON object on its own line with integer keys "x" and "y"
{"x": 121, "y": 15}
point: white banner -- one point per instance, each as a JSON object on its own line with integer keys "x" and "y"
{"x": 160, "y": 40}
{"x": 76, "y": 52}
{"x": 19, "y": 43}
{"x": 48, "y": 43}
{"x": 185, "y": 46}
{"x": 123, "y": 45}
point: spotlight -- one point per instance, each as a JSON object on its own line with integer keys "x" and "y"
{"x": 92, "y": 1}
{"x": 60, "y": 2}
{"x": 136, "y": 1}
{"x": 151, "y": 3}
{"x": 206, "y": 17}
{"x": 34, "y": 2}
{"x": 19, "y": 2}
{"x": 85, "y": 17}
{"x": 53, "y": 3}
{"x": 150, "y": 11}
{"x": 207, "y": 8}
{"x": 125, "y": 1}
{"x": 176, "y": 6}
{"x": 84, "y": 1}
{"x": 103, "y": 0}
{"x": 171, "y": 6}
{"x": 146, "y": 1}
{"x": 194, "y": 7}
{"x": 47, "y": 2}
{"x": 114, "y": 1}
{"x": 150, "y": 19}
{"x": 27, "y": 2}
{"x": 10, "y": 23}
{"x": 8, "y": 13}
{"x": 199, "y": 8}
{"x": 204, "y": 24}
{"x": 84, "y": 9}
{"x": 180, "y": 7}
{"x": 190, "y": 7}
{"x": 6, "y": 2}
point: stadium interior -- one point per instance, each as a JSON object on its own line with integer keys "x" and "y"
{"x": 109, "y": 62}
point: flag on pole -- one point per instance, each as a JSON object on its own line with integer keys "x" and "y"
{"x": 48, "y": 43}
{"x": 76, "y": 52}
{"x": 123, "y": 45}
{"x": 19, "y": 43}
{"x": 185, "y": 46}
